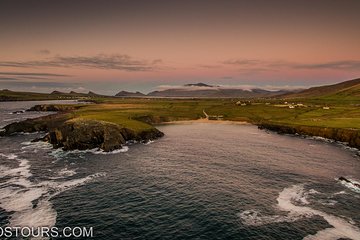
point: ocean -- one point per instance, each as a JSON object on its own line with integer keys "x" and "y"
{"x": 200, "y": 181}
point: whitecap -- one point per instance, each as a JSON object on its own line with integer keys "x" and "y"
{"x": 340, "y": 193}
{"x": 9, "y": 156}
{"x": 59, "y": 153}
{"x": 328, "y": 202}
{"x": 67, "y": 172}
{"x": 36, "y": 145}
{"x": 28, "y": 202}
{"x": 287, "y": 200}
{"x": 121, "y": 150}
{"x": 148, "y": 142}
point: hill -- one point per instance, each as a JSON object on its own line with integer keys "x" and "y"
{"x": 202, "y": 90}
{"x": 129, "y": 94}
{"x": 348, "y": 89}
{"x": 8, "y": 95}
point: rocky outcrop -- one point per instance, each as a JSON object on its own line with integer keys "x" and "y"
{"x": 54, "y": 108}
{"x": 18, "y": 112}
{"x": 350, "y": 136}
{"x": 81, "y": 133}
{"x": 87, "y": 134}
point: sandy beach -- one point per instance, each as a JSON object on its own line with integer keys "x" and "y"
{"x": 205, "y": 120}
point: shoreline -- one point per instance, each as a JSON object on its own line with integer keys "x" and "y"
{"x": 349, "y": 137}
{"x": 59, "y": 125}
{"x": 346, "y": 137}
{"x": 204, "y": 120}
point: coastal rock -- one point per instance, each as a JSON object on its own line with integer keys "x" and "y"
{"x": 81, "y": 133}
{"x": 87, "y": 134}
{"x": 147, "y": 135}
{"x": 350, "y": 136}
{"x": 53, "y": 108}
{"x": 18, "y": 112}
{"x": 344, "y": 179}
{"x": 348, "y": 181}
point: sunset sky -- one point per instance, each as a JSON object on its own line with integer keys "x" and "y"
{"x": 108, "y": 46}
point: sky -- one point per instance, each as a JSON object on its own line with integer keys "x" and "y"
{"x": 107, "y": 46}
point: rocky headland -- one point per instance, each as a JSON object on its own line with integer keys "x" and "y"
{"x": 69, "y": 133}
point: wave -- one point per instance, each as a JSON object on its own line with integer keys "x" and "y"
{"x": 148, "y": 142}
{"x": 9, "y": 156}
{"x": 36, "y": 145}
{"x": 59, "y": 153}
{"x": 100, "y": 151}
{"x": 29, "y": 202}
{"x": 293, "y": 200}
{"x": 65, "y": 172}
{"x": 343, "y": 145}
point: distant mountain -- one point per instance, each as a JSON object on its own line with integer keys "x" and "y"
{"x": 64, "y": 93}
{"x": 198, "y": 85}
{"x": 57, "y": 92}
{"x": 129, "y": 94}
{"x": 90, "y": 93}
{"x": 7, "y": 95}
{"x": 204, "y": 90}
{"x": 347, "y": 89}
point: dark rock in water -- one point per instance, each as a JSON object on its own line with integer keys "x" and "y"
{"x": 18, "y": 112}
{"x": 147, "y": 135}
{"x": 344, "y": 179}
{"x": 348, "y": 181}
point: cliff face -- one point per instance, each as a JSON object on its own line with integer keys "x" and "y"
{"x": 351, "y": 136}
{"x": 88, "y": 134}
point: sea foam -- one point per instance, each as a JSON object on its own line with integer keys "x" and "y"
{"x": 29, "y": 202}
{"x": 293, "y": 201}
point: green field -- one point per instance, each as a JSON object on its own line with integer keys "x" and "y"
{"x": 335, "y": 118}
{"x": 134, "y": 112}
